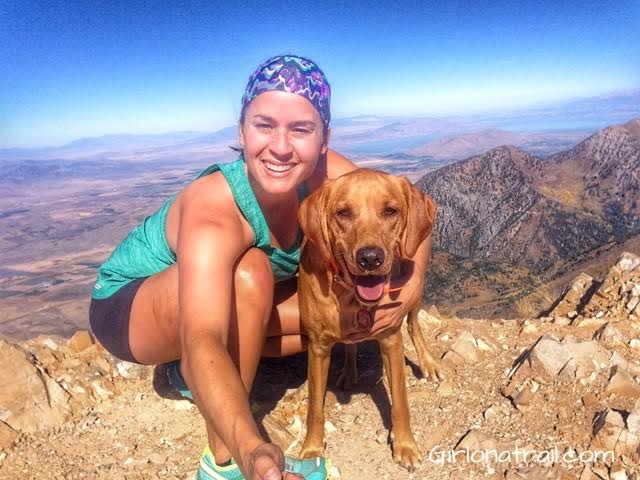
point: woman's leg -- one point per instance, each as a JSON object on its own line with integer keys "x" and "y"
{"x": 258, "y": 313}
{"x": 285, "y": 333}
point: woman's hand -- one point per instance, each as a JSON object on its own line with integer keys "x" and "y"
{"x": 405, "y": 290}
{"x": 394, "y": 305}
{"x": 266, "y": 462}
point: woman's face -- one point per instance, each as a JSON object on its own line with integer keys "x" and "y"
{"x": 282, "y": 137}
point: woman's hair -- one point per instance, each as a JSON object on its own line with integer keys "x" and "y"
{"x": 294, "y": 74}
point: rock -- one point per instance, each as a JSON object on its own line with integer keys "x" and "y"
{"x": 277, "y": 432}
{"x": 490, "y": 412}
{"x": 130, "y": 370}
{"x": 452, "y": 359}
{"x": 633, "y": 421}
{"x": 429, "y": 318}
{"x": 548, "y": 357}
{"x": 621, "y": 383}
{"x": 329, "y": 427}
{"x": 618, "y": 294}
{"x": 618, "y": 360}
{"x": 586, "y": 357}
{"x": 81, "y": 340}
{"x": 609, "y": 336}
{"x": 635, "y": 343}
{"x": 446, "y": 388}
{"x": 465, "y": 346}
{"x": 607, "y": 428}
{"x": 524, "y": 396}
{"x": 618, "y": 474}
{"x": 573, "y": 296}
{"x": 30, "y": 398}
{"x": 628, "y": 444}
{"x": 474, "y": 440}
{"x": 7, "y": 435}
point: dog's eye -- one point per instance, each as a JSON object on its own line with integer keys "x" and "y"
{"x": 390, "y": 212}
{"x": 344, "y": 213}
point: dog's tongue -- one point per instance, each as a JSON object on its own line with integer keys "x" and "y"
{"x": 370, "y": 287}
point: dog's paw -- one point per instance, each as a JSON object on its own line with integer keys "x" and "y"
{"x": 431, "y": 368}
{"x": 310, "y": 451}
{"x": 407, "y": 455}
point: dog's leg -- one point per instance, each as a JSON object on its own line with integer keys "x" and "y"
{"x": 318, "y": 371}
{"x": 430, "y": 366}
{"x": 349, "y": 376}
{"x": 405, "y": 450}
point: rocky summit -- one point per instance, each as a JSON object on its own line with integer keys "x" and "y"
{"x": 554, "y": 397}
{"x": 508, "y": 221}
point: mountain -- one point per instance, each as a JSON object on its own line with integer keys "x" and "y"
{"x": 456, "y": 147}
{"x": 508, "y": 213}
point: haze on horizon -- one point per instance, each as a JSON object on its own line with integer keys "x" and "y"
{"x": 78, "y": 69}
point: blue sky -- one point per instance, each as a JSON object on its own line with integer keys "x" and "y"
{"x": 88, "y": 68}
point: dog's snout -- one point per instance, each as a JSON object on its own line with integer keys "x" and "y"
{"x": 370, "y": 258}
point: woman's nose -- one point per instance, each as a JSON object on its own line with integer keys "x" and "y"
{"x": 280, "y": 144}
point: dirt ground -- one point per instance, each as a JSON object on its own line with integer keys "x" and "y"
{"x": 145, "y": 431}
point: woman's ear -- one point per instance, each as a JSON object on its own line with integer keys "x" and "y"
{"x": 419, "y": 218}
{"x": 326, "y": 134}
{"x": 312, "y": 217}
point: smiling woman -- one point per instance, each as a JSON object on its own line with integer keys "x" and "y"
{"x": 209, "y": 279}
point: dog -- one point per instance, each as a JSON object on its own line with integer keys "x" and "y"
{"x": 361, "y": 231}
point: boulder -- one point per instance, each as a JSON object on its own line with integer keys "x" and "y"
{"x": 618, "y": 295}
{"x": 573, "y": 297}
{"x": 81, "y": 340}
{"x": 465, "y": 346}
{"x": 29, "y": 399}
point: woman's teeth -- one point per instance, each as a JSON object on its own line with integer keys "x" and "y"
{"x": 278, "y": 167}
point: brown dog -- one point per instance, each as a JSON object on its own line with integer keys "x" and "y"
{"x": 361, "y": 231}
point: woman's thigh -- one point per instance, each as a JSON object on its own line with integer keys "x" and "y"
{"x": 152, "y": 333}
{"x": 154, "y": 321}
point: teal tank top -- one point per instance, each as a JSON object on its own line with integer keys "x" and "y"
{"x": 145, "y": 251}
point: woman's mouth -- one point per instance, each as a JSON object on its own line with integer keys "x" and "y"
{"x": 278, "y": 169}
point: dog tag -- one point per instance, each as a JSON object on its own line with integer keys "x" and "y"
{"x": 363, "y": 318}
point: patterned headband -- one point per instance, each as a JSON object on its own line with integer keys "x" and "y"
{"x": 290, "y": 73}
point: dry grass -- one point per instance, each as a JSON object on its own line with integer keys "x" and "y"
{"x": 538, "y": 301}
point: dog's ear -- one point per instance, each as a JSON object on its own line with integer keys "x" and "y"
{"x": 312, "y": 217}
{"x": 421, "y": 213}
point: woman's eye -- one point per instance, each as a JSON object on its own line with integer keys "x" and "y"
{"x": 263, "y": 126}
{"x": 302, "y": 131}
{"x": 390, "y": 212}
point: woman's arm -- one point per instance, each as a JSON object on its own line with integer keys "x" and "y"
{"x": 207, "y": 252}
{"x": 208, "y": 249}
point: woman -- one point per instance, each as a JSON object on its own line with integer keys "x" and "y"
{"x": 210, "y": 277}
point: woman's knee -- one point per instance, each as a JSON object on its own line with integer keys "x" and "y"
{"x": 253, "y": 275}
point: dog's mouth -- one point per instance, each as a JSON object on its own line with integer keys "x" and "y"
{"x": 369, "y": 288}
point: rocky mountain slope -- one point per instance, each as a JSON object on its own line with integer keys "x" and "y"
{"x": 507, "y": 209}
{"x": 540, "y": 398}
{"x": 456, "y": 147}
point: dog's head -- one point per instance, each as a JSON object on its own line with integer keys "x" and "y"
{"x": 365, "y": 220}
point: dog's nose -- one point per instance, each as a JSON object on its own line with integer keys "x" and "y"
{"x": 370, "y": 258}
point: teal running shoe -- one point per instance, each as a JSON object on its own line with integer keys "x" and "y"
{"x": 176, "y": 380}
{"x": 309, "y": 468}
{"x": 209, "y": 470}
{"x": 317, "y": 468}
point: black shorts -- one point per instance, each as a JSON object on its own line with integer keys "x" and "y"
{"x": 109, "y": 319}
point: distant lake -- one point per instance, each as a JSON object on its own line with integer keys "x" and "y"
{"x": 392, "y": 145}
